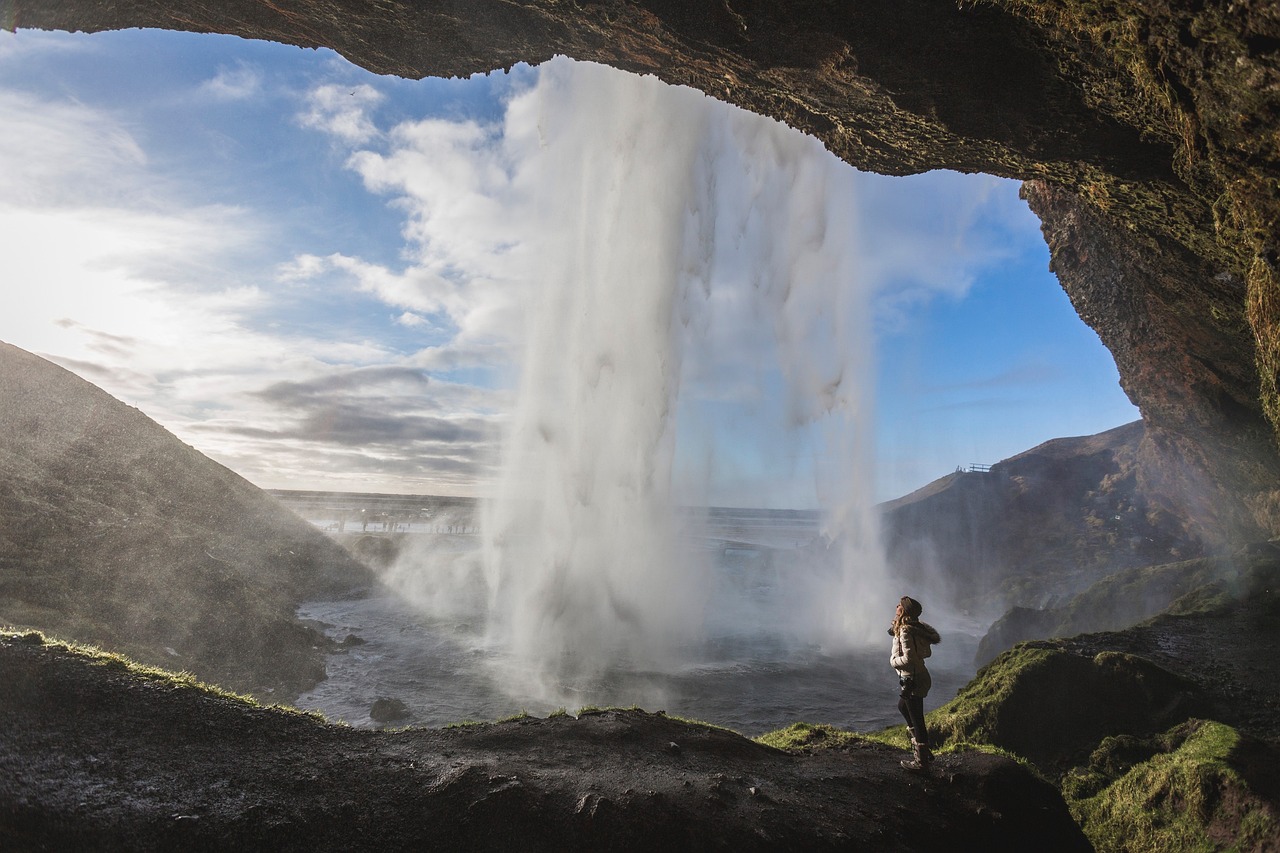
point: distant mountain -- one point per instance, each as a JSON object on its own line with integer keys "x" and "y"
{"x": 1039, "y": 527}
{"x": 114, "y": 532}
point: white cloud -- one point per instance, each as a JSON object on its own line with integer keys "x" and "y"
{"x": 236, "y": 83}
{"x": 343, "y": 111}
{"x": 162, "y": 303}
{"x": 933, "y": 235}
{"x": 63, "y": 153}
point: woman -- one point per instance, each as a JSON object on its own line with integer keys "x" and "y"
{"x": 912, "y": 643}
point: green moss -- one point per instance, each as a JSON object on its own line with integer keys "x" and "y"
{"x": 690, "y": 721}
{"x": 973, "y": 716}
{"x": 522, "y": 714}
{"x": 806, "y": 737}
{"x": 811, "y": 737}
{"x": 1184, "y": 796}
{"x": 1052, "y": 707}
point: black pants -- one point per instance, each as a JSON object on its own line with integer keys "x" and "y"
{"x": 911, "y": 707}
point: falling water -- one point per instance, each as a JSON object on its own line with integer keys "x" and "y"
{"x": 673, "y": 217}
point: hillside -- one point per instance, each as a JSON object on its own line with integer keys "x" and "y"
{"x": 114, "y": 532}
{"x": 1038, "y": 528}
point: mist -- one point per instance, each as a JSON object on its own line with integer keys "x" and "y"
{"x": 671, "y": 240}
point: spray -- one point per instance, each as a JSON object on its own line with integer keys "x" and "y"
{"x": 668, "y": 206}
{"x": 675, "y": 252}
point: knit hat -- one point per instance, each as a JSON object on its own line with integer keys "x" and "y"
{"x": 911, "y": 608}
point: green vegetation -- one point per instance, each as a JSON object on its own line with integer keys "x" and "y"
{"x": 808, "y": 737}
{"x": 974, "y": 715}
{"x": 1179, "y": 789}
{"x": 588, "y": 710}
{"x": 690, "y": 721}
{"x": 1029, "y": 701}
{"x": 1174, "y": 791}
{"x": 522, "y": 714}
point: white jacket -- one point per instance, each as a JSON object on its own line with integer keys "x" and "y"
{"x": 911, "y": 644}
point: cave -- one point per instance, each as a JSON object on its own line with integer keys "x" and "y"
{"x": 1147, "y": 136}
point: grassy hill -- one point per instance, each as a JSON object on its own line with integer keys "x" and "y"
{"x": 114, "y": 532}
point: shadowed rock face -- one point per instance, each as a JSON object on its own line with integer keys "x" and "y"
{"x": 1149, "y": 131}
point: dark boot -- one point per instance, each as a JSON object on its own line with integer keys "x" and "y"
{"x": 921, "y": 759}
{"x": 924, "y": 755}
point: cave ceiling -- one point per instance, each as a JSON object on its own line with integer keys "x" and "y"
{"x": 1148, "y": 135}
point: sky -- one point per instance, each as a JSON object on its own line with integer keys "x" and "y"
{"x": 326, "y": 279}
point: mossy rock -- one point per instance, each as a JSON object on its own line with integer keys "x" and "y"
{"x": 813, "y": 737}
{"x": 1199, "y": 786}
{"x": 1053, "y": 707}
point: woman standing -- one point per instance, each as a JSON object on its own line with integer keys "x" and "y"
{"x": 912, "y": 643}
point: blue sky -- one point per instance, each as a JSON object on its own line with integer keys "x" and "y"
{"x": 319, "y": 277}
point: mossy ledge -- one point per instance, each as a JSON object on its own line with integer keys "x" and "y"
{"x": 1052, "y": 706}
{"x": 141, "y": 674}
{"x": 1127, "y": 742}
{"x": 1199, "y": 786}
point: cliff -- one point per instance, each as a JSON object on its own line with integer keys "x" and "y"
{"x": 1147, "y": 131}
{"x": 112, "y": 531}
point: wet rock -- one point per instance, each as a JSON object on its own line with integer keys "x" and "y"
{"x": 389, "y": 711}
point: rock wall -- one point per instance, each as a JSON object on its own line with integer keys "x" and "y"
{"x": 1151, "y": 130}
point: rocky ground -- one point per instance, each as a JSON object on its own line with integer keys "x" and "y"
{"x": 95, "y": 755}
{"x": 98, "y": 754}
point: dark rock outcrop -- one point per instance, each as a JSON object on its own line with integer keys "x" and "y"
{"x": 388, "y": 711}
{"x": 1148, "y": 128}
{"x": 1054, "y": 706}
{"x": 1207, "y": 656}
{"x": 1209, "y": 458}
{"x": 114, "y": 532}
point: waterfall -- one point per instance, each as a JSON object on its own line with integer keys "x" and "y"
{"x": 670, "y": 223}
